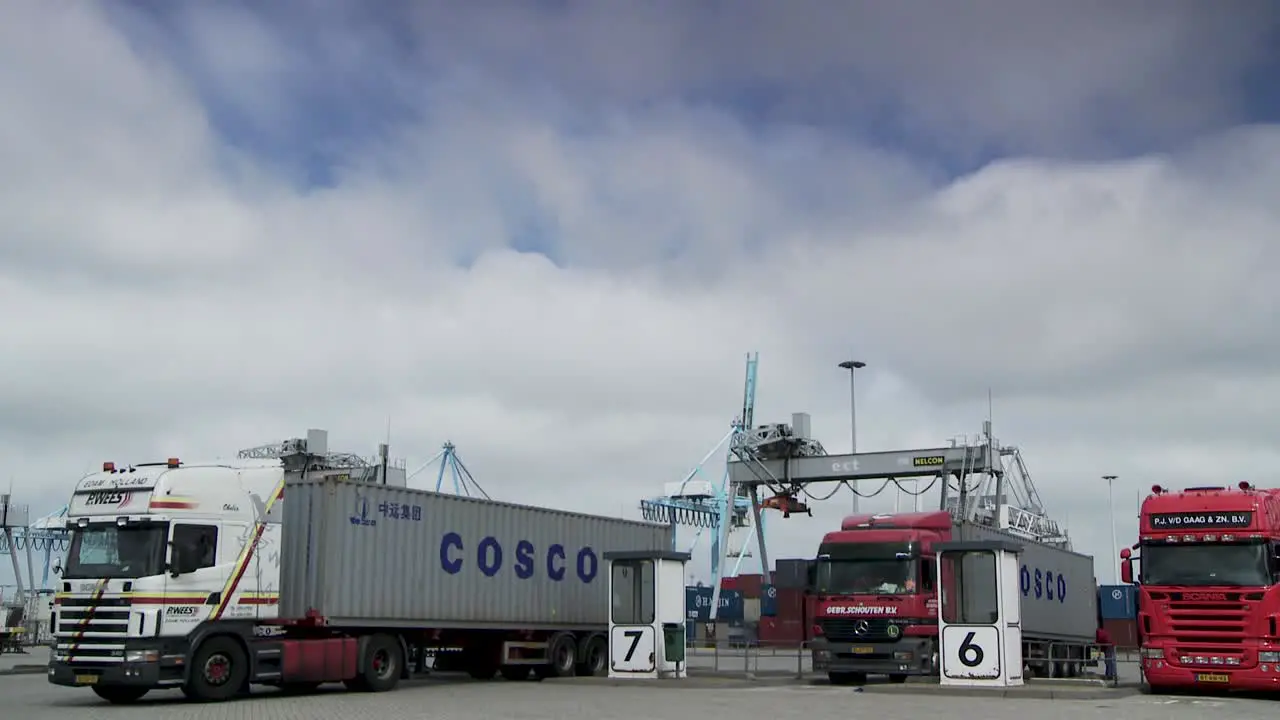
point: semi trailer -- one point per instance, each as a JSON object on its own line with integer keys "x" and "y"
{"x": 875, "y": 600}
{"x": 1208, "y": 595}
{"x": 307, "y": 568}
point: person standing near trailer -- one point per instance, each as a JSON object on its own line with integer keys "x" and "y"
{"x": 1104, "y": 641}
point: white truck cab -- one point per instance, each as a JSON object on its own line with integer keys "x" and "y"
{"x": 173, "y": 572}
{"x": 156, "y": 550}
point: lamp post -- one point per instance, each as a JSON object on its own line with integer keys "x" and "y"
{"x": 1111, "y": 513}
{"x": 853, "y": 366}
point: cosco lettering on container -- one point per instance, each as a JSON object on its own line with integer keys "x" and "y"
{"x": 1042, "y": 584}
{"x": 489, "y": 557}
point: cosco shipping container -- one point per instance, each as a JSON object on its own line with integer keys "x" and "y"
{"x": 1118, "y": 602}
{"x": 1059, "y": 594}
{"x": 360, "y": 554}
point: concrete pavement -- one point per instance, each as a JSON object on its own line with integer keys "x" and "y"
{"x": 458, "y": 699}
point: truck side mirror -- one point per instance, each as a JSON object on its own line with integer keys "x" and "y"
{"x": 175, "y": 560}
{"x": 1126, "y": 566}
{"x": 57, "y": 569}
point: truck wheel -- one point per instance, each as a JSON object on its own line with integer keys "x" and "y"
{"x": 562, "y": 658}
{"x": 218, "y": 671}
{"x": 120, "y": 694}
{"x": 595, "y": 657}
{"x": 381, "y": 665}
{"x": 847, "y": 678}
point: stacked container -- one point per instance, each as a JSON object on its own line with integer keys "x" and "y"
{"x": 792, "y": 573}
{"x": 784, "y": 618}
{"x": 751, "y": 587}
{"x": 1118, "y": 605}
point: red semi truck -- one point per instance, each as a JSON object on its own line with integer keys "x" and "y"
{"x": 1208, "y": 604}
{"x": 875, "y": 607}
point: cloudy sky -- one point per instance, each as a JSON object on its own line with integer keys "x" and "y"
{"x": 549, "y": 231}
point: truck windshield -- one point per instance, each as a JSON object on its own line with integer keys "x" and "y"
{"x": 872, "y": 577}
{"x": 108, "y": 551}
{"x": 1229, "y": 564}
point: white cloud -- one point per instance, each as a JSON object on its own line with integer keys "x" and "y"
{"x": 165, "y": 293}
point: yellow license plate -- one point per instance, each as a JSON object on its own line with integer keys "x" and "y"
{"x": 862, "y": 650}
{"x": 1212, "y": 677}
{"x": 86, "y": 679}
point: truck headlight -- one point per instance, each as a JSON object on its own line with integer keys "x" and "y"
{"x": 141, "y": 656}
{"x": 1269, "y": 656}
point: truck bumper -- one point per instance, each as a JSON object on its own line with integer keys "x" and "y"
{"x": 1160, "y": 674}
{"x": 907, "y": 656}
{"x": 77, "y": 675}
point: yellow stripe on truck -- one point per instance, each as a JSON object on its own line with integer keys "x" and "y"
{"x": 247, "y": 553}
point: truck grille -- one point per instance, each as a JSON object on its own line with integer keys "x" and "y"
{"x": 1218, "y": 622}
{"x": 90, "y": 630}
{"x": 847, "y": 629}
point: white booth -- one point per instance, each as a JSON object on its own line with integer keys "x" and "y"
{"x": 646, "y": 614}
{"x": 979, "y": 613}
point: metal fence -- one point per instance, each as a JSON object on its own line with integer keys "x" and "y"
{"x": 751, "y": 659}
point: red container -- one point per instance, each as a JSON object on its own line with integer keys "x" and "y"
{"x": 1124, "y": 633}
{"x": 776, "y": 633}
{"x": 750, "y": 585}
{"x": 728, "y": 583}
{"x": 789, "y": 604}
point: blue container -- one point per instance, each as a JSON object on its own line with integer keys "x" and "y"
{"x": 690, "y": 631}
{"x": 1118, "y": 602}
{"x": 697, "y": 603}
{"x": 768, "y": 601}
{"x": 730, "y": 606}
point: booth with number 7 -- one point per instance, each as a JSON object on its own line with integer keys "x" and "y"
{"x": 979, "y": 613}
{"x": 646, "y": 614}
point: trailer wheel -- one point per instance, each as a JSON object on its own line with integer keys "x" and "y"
{"x": 120, "y": 694}
{"x": 595, "y": 657}
{"x": 562, "y": 658}
{"x": 218, "y": 671}
{"x": 381, "y": 665}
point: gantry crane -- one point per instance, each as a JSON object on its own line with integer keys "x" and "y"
{"x": 700, "y": 503}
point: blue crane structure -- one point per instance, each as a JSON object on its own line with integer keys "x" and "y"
{"x": 46, "y": 538}
{"x": 458, "y": 476}
{"x": 699, "y": 503}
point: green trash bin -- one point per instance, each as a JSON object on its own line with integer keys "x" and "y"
{"x": 673, "y": 641}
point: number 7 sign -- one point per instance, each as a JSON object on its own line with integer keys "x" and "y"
{"x": 632, "y": 649}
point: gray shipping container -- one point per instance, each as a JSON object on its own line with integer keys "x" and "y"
{"x": 361, "y": 554}
{"x": 1059, "y": 594}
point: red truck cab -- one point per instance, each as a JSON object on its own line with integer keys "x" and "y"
{"x": 875, "y": 607}
{"x": 1208, "y": 604}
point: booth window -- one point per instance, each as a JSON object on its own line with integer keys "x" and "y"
{"x": 969, "y": 588}
{"x": 633, "y": 592}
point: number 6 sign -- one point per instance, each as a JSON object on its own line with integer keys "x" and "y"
{"x": 971, "y": 651}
